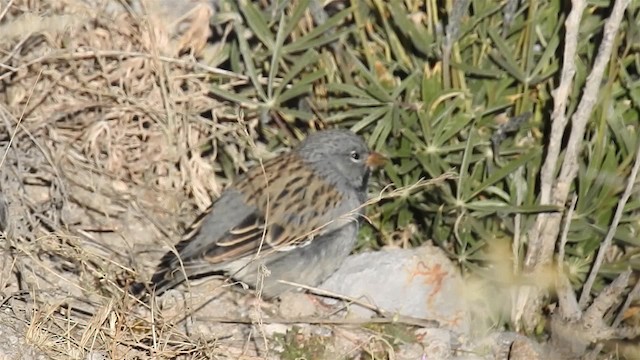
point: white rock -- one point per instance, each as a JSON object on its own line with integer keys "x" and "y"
{"x": 420, "y": 283}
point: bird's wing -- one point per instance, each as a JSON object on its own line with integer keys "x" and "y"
{"x": 274, "y": 207}
{"x": 292, "y": 206}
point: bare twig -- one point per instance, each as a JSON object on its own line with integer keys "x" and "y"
{"x": 583, "y": 113}
{"x": 15, "y": 131}
{"x": 6, "y": 9}
{"x": 321, "y": 321}
{"x": 586, "y": 290}
{"x": 568, "y": 304}
{"x": 634, "y": 294}
{"x": 4, "y": 213}
{"x": 66, "y": 55}
{"x": 520, "y": 183}
{"x": 366, "y": 305}
{"x": 558, "y": 124}
{"x": 565, "y": 230}
{"x": 594, "y": 316}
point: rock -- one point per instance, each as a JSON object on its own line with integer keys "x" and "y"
{"x": 410, "y": 351}
{"x": 419, "y": 283}
{"x": 295, "y": 305}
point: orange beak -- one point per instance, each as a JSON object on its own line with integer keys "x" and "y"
{"x": 375, "y": 160}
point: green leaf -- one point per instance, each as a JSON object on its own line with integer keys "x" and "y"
{"x": 294, "y": 18}
{"x": 450, "y": 129}
{"x": 234, "y": 97}
{"x": 275, "y": 57}
{"x": 256, "y": 22}
{"x": 373, "y": 116}
{"x": 374, "y": 89}
{"x": 503, "y": 172}
{"x": 248, "y": 63}
{"x": 348, "y": 89}
{"x": 313, "y": 37}
{"x": 317, "y": 42}
{"x": 299, "y": 65}
{"x": 503, "y": 56}
{"x": 549, "y": 52}
{"x": 416, "y": 33}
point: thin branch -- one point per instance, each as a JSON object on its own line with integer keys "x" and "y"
{"x": 586, "y": 290}
{"x": 634, "y": 294}
{"x": 583, "y": 113}
{"x": 568, "y": 307}
{"x": 565, "y": 230}
{"x": 593, "y": 317}
{"x": 6, "y": 9}
{"x": 560, "y": 98}
{"x": 381, "y": 312}
{"x": 520, "y": 183}
{"x": 558, "y": 124}
{"x": 321, "y": 321}
{"x": 15, "y": 131}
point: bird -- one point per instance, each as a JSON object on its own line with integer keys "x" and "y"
{"x": 297, "y": 215}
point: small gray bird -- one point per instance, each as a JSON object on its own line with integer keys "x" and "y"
{"x": 297, "y": 215}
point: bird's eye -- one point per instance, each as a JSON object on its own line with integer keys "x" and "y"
{"x": 355, "y": 155}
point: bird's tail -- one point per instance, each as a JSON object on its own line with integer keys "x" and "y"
{"x": 178, "y": 265}
{"x": 168, "y": 275}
